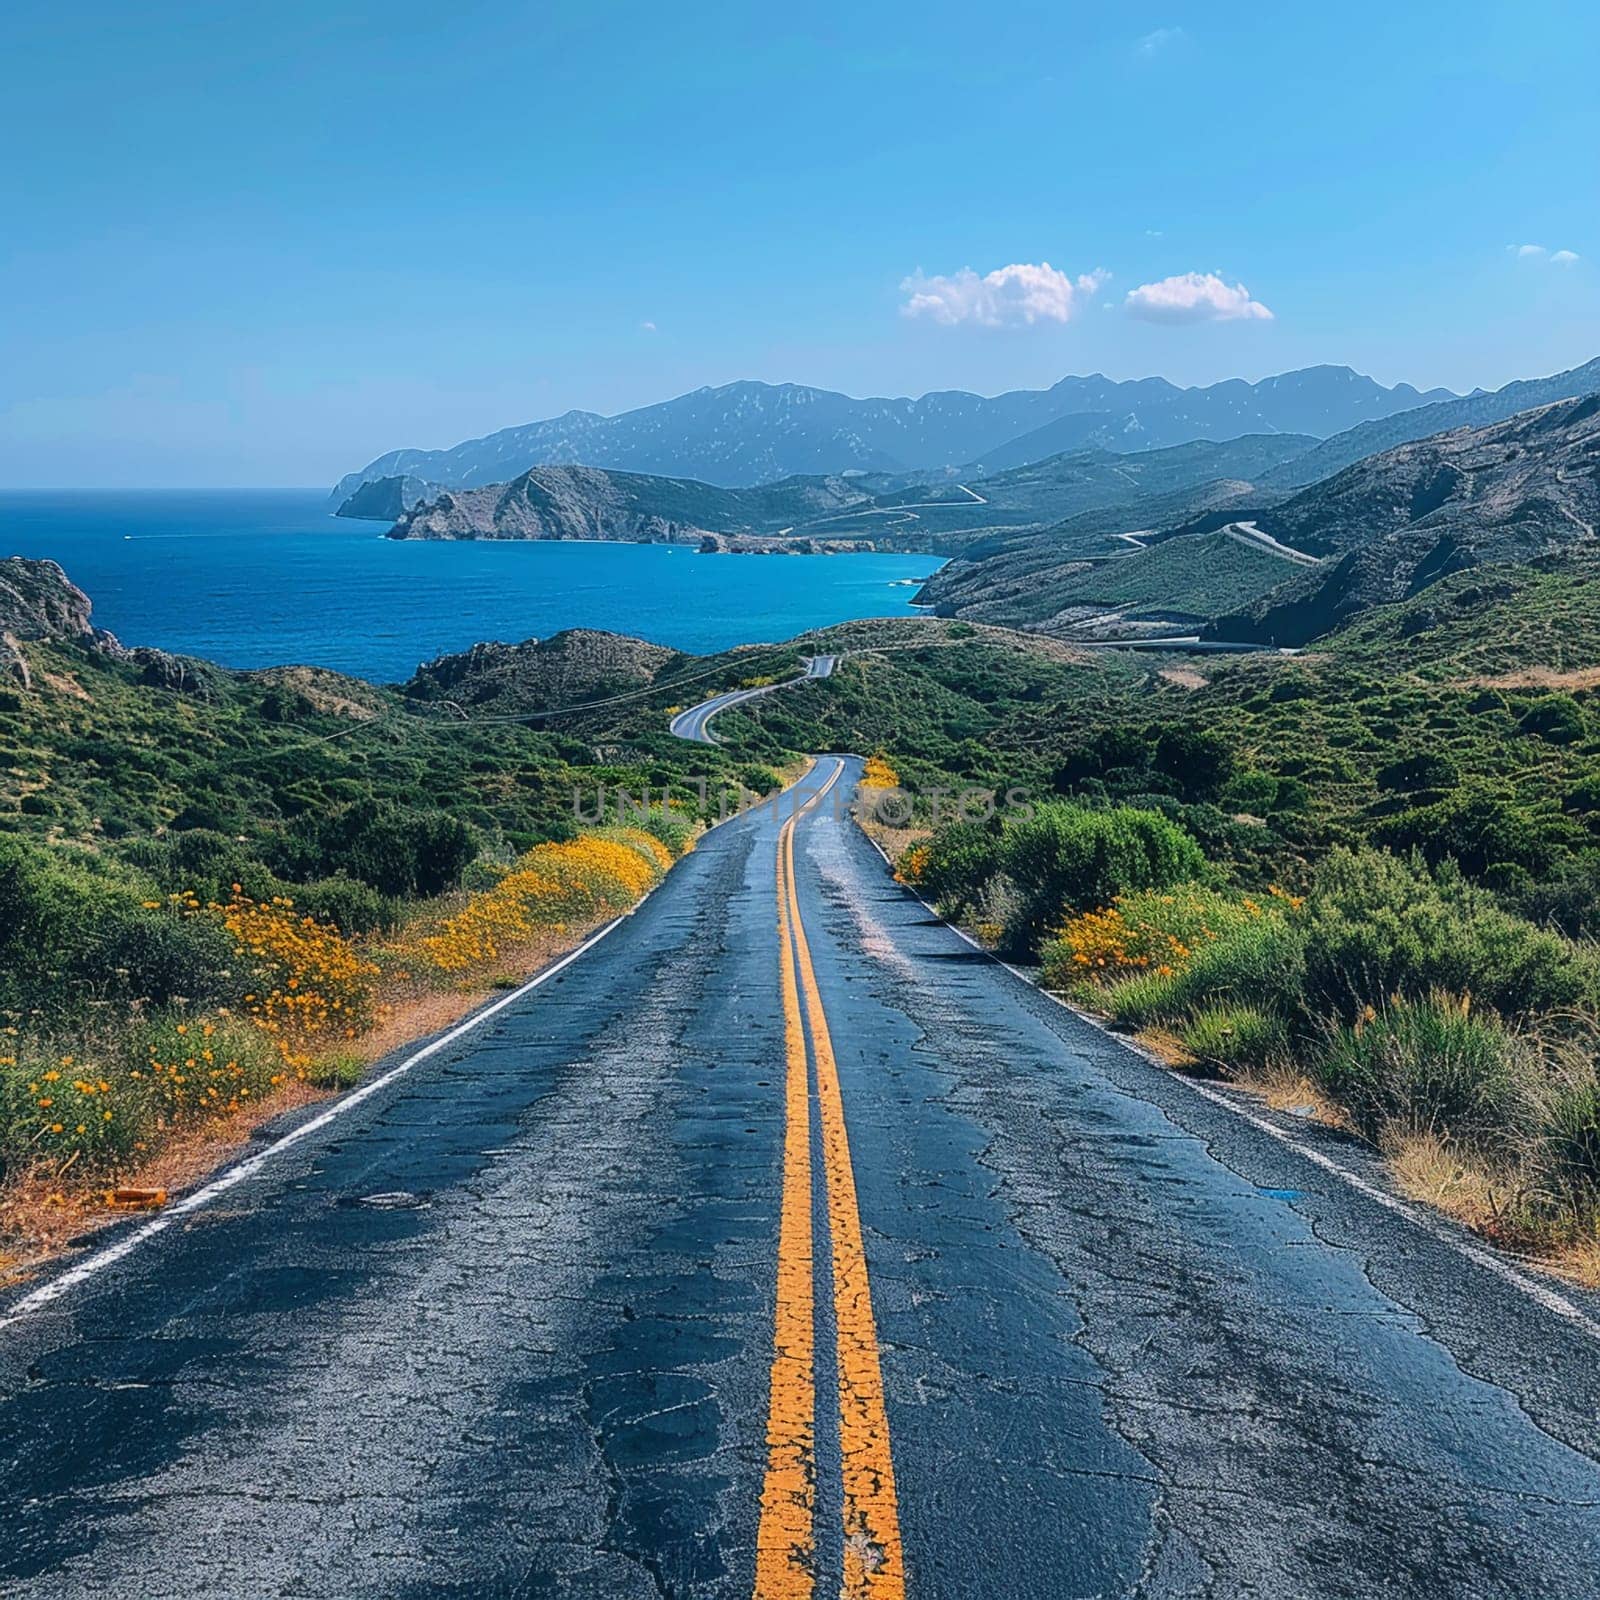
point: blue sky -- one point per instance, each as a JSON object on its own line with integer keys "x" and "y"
{"x": 253, "y": 244}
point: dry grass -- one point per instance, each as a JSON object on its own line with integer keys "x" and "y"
{"x": 894, "y": 842}
{"x": 1285, "y": 1088}
{"x": 1184, "y": 677}
{"x": 1168, "y": 1049}
{"x": 64, "y": 683}
{"x": 1428, "y": 1169}
{"x": 1538, "y": 678}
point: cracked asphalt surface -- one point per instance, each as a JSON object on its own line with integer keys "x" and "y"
{"x": 506, "y": 1328}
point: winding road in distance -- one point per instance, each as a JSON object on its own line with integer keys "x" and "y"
{"x": 781, "y": 1244}
{"x": 695, "y": 723}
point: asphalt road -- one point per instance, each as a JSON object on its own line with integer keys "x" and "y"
{"x": 784, "y": 1245}
{"x": 695, "y": 723}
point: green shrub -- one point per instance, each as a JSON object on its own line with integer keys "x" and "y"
{"x": 139, "y": 952}
{"x": 1377, "y": 926}
{"x": 1555, "y": 718}
{"x": 1569, "y": 1147}
{"x": 1198, "y": 761}
{"x": 1253, "y": 792}
{"x": 1147, "y": 998}
{"x": 1234, "y": 1037}
{"x": 760, "y": 780}
{"x": 70, "y": 935}
{"x": 1477, "y": 829}
{"x": 1423, "y": 769}
{"x": 352, "y": 907}
{"x": 1569, "y": 901}
{"x": 1428, "y": 1065}
{"x": 203, "y": 862}
{"x": 674, "y": 831}
{"x": 1257, "y": 963}
{"x": 1065, "y": 857}
{"x": 953, "y": 866}
{"x": 1583, "y": 798}
{"x": 395, "y": 850}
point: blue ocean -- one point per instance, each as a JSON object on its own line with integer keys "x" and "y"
{"x": 255, "y": 578}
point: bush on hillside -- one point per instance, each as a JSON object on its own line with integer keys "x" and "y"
{"x": 1555, "y": 718}
{"x": 1257, "y": 963}
{"x": 1234, "y": 1037}
{"x": 353, "y": 907}
{"x": 70, "y": 935}
{"x": 1378, "y": 926}
{"x": 1421, "y": 769}
{"x": 1568, "y": 902}
{"x": 1198, "y": 761}
{"x": 1478, "y": 829}
{"x": 1065, "y": 858}
{"x": 674, "y": 831}
{"x": 953, "y": 866}
{"x": 203, "y": 862}
{"x": 1427, "y": 1066}
{"x": 1143, "y": 931}
{"x": 395, "y": 850}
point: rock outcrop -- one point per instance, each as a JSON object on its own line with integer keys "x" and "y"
{"x": 587, "y": 503}
{"x": 568, "y": 668}
{"x": 40, "y": 604}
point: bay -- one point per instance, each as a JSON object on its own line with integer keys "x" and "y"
{"x": 255, "y": 578}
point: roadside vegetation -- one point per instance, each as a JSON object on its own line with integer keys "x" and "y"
{"x": 217, "y": 902}
{"x": 1365, "y": 880}
{"x": 133, "y": 1024}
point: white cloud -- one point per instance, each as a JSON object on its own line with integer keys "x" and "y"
{"x": 647, "y": 327}
{"x": 1537, "y": 252}
{"x": 1194, "y": 297}
{"x": 1152, "y": 44}
{"x": 1018, "y": 295}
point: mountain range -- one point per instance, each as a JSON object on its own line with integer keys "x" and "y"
{"x": 747, "y": 433}
{"x": 1466, "y": 411}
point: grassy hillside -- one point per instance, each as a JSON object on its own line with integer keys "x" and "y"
{"x": 1036, "y": 583}
{"x": 1534, "y": 624}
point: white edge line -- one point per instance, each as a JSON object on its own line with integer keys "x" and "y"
{"x": 94, "y": 1264}
{"x": 1540, "y": 1293}
{"x": 235, "y": 1175}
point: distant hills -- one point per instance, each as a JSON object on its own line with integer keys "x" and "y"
{"x": 743, "y": 434}
{"x": 589, "y": 503}
{"x": 1265, "y": 536}
{"x": 832, "y": 511}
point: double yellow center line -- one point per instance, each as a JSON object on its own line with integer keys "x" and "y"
{"x": 874, "y": 1565}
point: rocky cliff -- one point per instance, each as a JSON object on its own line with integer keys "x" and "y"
{"x": 570, "y": 667}
{"x": 39, "y": 604}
